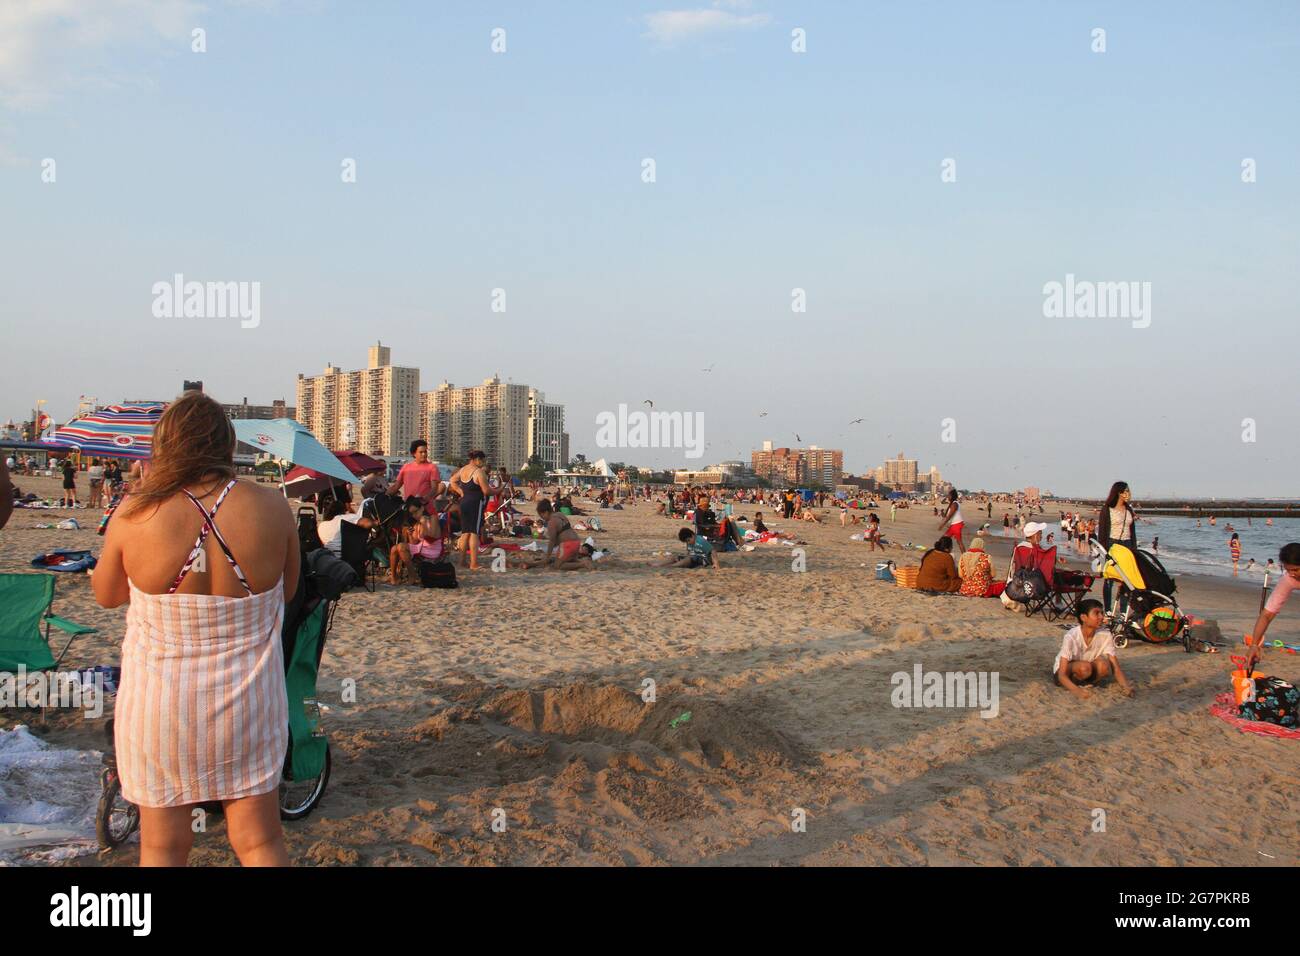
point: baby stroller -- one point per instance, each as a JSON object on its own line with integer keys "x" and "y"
{"x": 307, "y": 619}
{"x": 1146, "y": 592}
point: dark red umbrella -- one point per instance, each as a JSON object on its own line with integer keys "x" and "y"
{"x": 359, "y": 464}
{"x": 300, "y": 482}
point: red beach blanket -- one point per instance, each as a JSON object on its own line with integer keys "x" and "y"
{"x": 1225, "y": 708}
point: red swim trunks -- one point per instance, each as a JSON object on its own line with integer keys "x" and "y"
{"x": 569, "y": 550}
{"x": 954, "y": 532}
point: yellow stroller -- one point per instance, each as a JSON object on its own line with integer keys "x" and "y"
{"x": 1146, "y": 592}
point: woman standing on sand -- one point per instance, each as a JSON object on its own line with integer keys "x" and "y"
{"x": 952, "y": 522}
{"x": 471, "y": 484}
{"x": 69, "y": 484}
{"x": 202, "y": 713}
{"x": 1117, "y": 525}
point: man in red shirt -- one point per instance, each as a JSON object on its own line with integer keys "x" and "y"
{"x": 419, "y": 478}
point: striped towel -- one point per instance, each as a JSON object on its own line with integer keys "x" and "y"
{"x": 201, "y": 712}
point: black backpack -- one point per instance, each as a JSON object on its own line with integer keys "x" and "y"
{"x": 437, "y": 574}
{"x": 1026, "y": 585}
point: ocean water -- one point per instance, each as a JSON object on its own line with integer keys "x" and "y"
{"x": 1204, "y": 550}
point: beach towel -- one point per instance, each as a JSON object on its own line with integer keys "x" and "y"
{"x": 64, "y": 560}
{"x": 1225, "y": 708}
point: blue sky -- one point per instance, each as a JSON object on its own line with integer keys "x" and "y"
{"x": 774, "y": 170}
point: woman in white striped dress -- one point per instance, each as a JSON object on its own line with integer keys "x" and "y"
{"x": 201, "y": 711}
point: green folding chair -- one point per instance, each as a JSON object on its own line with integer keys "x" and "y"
{"x": 26, "y": 602}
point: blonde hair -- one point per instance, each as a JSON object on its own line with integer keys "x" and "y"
{"x": 193, "y": 440}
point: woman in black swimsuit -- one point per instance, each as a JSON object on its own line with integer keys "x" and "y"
{"x": 471, "y": 484}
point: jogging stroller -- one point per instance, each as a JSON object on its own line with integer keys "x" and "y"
{"x": 307, "y": 619}
{"x": 1146, "y": 592}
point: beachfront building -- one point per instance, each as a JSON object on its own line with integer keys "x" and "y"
{"x": 374, "y": 410}
{"x": 823, "y": 466}
{"x": 798, "y": 466}
{"x": 277, "y": 409}
{"x": 899, "y": 473}
{"x": 546, "y": 437}
{"x": 492, "y": 416}
{"x": 728, "y": 474}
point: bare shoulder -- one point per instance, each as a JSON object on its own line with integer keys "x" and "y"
{"x": 269, "y": 504}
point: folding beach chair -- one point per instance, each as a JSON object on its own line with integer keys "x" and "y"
{"x": 356, "y": 552}
{"x": 26, "y": 602}
{"x": 308, "y": 539}
{"x": 1065, "y": 589}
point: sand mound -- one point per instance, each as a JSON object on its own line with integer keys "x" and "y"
{"x": 579, "y": 711}
{"x": 724, "y": 736}
{"x": 912, "y": 632}
{"x": 716, "y": 734}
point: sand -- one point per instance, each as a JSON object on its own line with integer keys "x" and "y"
{"x": 518, "y": 699}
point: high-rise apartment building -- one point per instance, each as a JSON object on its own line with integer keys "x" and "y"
{"x": 546, "y": 437}
{"x": 277, "y": 409}
{"x": 375, "y": 410}
{"x": 900, "y": 473}
{"x": 493, "y": 416}
{"x": 823, "y": 466}
{"x": 798, "y": 466}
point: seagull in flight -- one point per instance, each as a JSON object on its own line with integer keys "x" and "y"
{"x": 648, "y": 402}
{"x": 856, "y": 421}
{"x": 796, "y": 437}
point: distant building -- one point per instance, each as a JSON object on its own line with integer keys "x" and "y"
{"x": 277, "y": 409}
{"x": 193, "y": 386}
{"x": 546, "y": 438}
{"x": 375, "y": 410}
{"x": 900, "y": 473}
{"x": 823, "y": 466}
{"x": 492, "y": 417}
{"x": 798, "y": 466}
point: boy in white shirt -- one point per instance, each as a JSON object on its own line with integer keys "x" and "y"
{"x": 1088, "y": 654}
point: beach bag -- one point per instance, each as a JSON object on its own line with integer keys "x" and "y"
{"x": 1026, "y": 585}
{"x": 885, "y": 571}
{"x": 437, "y": 574}
{"x": 906, "y": 577}
{"x": 1270, "y": 700}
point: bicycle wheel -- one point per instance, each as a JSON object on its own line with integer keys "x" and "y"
{"x": 299, "y": 797}
{"x": 115, "y": 819}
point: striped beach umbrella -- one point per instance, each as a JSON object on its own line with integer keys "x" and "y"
{"x": 118, "y": 431}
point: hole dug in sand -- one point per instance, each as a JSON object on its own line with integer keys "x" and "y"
{"x": 716, "y": 734}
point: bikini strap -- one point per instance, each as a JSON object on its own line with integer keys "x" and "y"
{"x": 209, "y": 524}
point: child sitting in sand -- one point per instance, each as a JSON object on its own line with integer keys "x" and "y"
{"x": 699, "y": 552}
{"x": 872, "y": 534}
{"x": 1088, "y": 655}
{"x": 564, "y": 549}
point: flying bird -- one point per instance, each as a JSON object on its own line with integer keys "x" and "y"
{"x": 710, "y": 368}
{"x": 797, "y": 438}
{"x": 648, "y": 402}
{"x": 856, "y": 421}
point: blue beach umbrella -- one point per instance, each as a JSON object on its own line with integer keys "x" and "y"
{"x": 289, "y": 439}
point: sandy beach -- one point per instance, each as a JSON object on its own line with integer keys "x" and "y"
{"x": 520, "y": 692}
